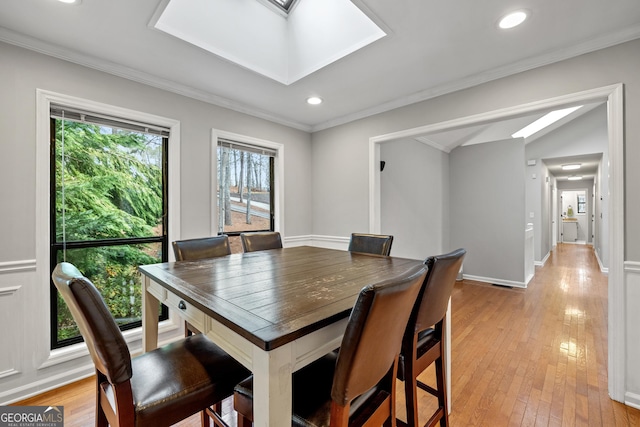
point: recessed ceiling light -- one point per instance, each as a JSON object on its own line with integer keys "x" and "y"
{"x": 70, "y": 1}
{"x": 570, "y": 167}
{"x": 314, "y": 100}
{"x": 574, "y": 178}
{"x": 512, "y": 20}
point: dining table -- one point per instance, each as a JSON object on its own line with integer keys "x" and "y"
{"x": 275, "y": 311}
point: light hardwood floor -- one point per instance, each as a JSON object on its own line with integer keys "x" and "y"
{"x": 534, "y": 357}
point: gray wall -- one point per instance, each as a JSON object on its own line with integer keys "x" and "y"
{"x": 414, "y": 194}
{"x": 487, "y": 206}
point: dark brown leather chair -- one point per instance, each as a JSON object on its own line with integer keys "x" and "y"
{"x": 192, "y": 250}
{"x": 158, "y": 388}
{"x": 423, "y": 342}
{"x": 260, "y": 241}
{"x": 358, "y": 383}
{"x": 202, "y": 248}
{"x": 376, "y": 244}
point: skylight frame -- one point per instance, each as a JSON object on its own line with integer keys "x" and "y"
{"x": 285, "y": 5}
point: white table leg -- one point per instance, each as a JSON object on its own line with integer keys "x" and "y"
{"x": 150, "y": 307}
{"x": 272, "y": 390}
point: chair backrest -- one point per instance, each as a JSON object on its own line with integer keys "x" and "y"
{"x": 260, "y": 241}
{"x": 374, "y": 333}
{"x": 202, "y": 248}
{"x": 432, "y": 303}
{"x": 377, "y": 244}
{"x": 106, "y": 344}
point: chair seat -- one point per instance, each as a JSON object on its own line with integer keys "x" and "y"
{"x": 201, "y": 375}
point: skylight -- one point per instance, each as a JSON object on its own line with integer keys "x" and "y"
{"x": 544, "y": 121}
{"x": 285, "y": 5}
{"x": 283, "y": 47}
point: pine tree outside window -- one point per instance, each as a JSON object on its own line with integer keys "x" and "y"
{"x": 245, "y": 189}
{"x": 108, "y": 210}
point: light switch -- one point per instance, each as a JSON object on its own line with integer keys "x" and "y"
{"x": 530, "y": 214}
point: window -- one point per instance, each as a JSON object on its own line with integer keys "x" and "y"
{"x": 245, "y": 188}
{"x": 582, "y": 204}
{"x": 109, "y": 209}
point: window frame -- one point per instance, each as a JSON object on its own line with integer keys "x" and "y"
{"x": 56, "y": 246}
{"x": 42, "y": 350}
{"x": 255, "y": 150}
{"x": 277, "y": 193}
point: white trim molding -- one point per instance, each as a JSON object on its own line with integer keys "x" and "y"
{"x": 17, "y": 266}
{"x": 493, "y": 281}
{"x": 44, "y": 357}
{"x": 632, "y": 297}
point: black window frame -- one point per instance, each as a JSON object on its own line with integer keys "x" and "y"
{"x": 254, "y": 149}
{"x": 582, "y": 205}
{"x": 55, "y": 246}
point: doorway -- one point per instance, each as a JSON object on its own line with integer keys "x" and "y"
{"x": 574, "y": 217}
{"x": 613, "y": 95}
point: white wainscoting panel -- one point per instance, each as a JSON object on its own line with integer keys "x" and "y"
{"x": 14, "y": 276}
{"x": 632, "y": 338}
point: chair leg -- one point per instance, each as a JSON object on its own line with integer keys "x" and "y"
{"x": 244, "y": 422}
{"x": 205, "y": 420}
{"x": 411, "y": 398}
{"x": 442, "y": 391}
{"x": 101, "y": 418}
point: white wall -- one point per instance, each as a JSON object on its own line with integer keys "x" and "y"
{"x": 341, "y": 187}
{"x": 23, "y": 304}
{"x": 414, "y": 193}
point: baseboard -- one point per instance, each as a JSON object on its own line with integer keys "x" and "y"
{"x": 46, "y": 384}
{"x": 632, "y": 399}
{"x": 603, "y": 269}
{"x": 544, "y": 260}
{"x": 493, "y": 281}
{"x": 329, "y": 242}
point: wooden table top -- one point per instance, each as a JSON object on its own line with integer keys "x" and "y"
{"x": 276, "y": 296}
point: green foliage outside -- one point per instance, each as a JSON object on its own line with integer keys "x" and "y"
{"x": 108, "y": 187}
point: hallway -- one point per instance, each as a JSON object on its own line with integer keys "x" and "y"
{"x": 535, "y": 356}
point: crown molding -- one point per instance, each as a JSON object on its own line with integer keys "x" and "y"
{"x": 622, "y": 36}
{"x": 112, "y": 68}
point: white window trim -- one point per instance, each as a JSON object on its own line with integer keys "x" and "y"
{"x": 41, "y": 312}
{"x": 278, "y": 175}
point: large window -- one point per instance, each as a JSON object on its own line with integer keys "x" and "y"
{"x": 245, "y": 188}
{"x": 108, "y": 209}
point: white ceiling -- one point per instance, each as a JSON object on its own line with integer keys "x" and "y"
{"x": 431, "y": 48}
{"x": 284, "y": 47}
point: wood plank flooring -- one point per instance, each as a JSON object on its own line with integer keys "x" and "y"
{"x": 520, "y": 357}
